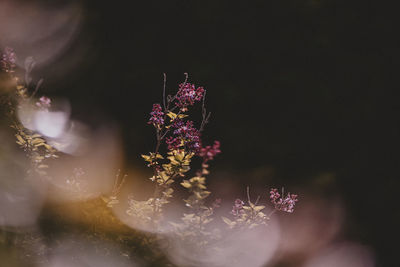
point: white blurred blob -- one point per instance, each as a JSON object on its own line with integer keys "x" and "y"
{"x": 120, "y": 211}
{"x": 20, "y": 203}
{"x": 50, "y": 124}
{"x": 90, "y": 173}
{"x": 82, "y": 253}
{"x": 21, "y": 197}
{"x": 238, "y": 248}
{"x": 136, "y": 223}
{"x": 32, "y": 28}
{"x": 343, "y": 255}
{"x": 314, "y": 223}
{"x": 137, "y": 188}
{"x": 73, "y": 141}
{"x": 96, "y": 154}
{"x": 26, "y": 114}
{"x": 67, "y": 136}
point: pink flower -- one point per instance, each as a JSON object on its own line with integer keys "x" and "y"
{"x": 44, "y": 103}
{"x": 283, "y": 203}
{"x": 8, "y": 59}
{"x": 209, "y": 152}
{"x": 217, "y": 203}
{"x": 237, "y": 208}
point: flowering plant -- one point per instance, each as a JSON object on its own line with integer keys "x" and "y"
{"x": 178, "y": 143}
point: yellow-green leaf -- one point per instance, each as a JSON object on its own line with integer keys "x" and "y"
{"x": 43, "y": 166}
{"x": 228, "y": 222}
{"x": 37, "y": 141}
{"x": 20, "y": 139}
{"x": 258, "y": 208}
{"x": 186, "y": 184}
{"x": 146, "y": 158}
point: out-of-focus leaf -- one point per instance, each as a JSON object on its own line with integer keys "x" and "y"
{"x": 258, "y": 208}
{"x": 186, "y": 184}
{"x": 20, "y": 139}
{"x": 228, "y": 222}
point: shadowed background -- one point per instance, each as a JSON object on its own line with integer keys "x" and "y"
{"x": 299, "y": 92}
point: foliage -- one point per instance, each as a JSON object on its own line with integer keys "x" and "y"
{"x": 178, "y": 143}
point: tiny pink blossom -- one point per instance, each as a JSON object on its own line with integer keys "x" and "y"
{"x": 8, "y": 60}
{"x": 283, "y": 203}
{"x": 237, "y": 208}
{"x": 209, "y": 152}
{"x": 44, "y": 103}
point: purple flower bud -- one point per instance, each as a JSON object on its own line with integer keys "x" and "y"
{"x": 237, "y": 208}
{"x": 185, "y": 134}
{"x": 8, "y": 59}
{"x": 157, "y": 116}
{"x": 188, "y": 94}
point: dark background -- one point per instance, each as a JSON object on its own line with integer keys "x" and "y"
{"x": 301, "y": 87}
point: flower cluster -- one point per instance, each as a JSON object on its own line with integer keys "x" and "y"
{"x": 247, "y": 216}
{"x": 281, "y": 202}
{"x": 188, "y": 95}
{"x": 184, "y": 135}
{"x": 209, "y": 152}
{"x": 8, "y": 60}
{"x": 217, "y": 203}
{"x": 76, "y": 182}
{"x": 44, "y": 103}
{"x": 237, "y": 208}
{"x": 78, "y": 172}
{"x": 157, "y": 116}
{"x": 36, "y": 147}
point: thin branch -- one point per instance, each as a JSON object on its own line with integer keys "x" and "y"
{"x": 40, "y": 82}
{"x": 118, "y": 182}
{"x": 204, "y": 122}
{"x": 165, "y": 82}
{"x": 170, "y": 98}
{"x": 167, "y": 130}
{"x": 248, "y": 194}
{"x": 186, "y": 78}
{"x": 205, "y": 117}
{"x": 272, "y": 212}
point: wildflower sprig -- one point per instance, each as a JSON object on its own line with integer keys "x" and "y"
{"x": 178, "y": 145}
{"x": 112, "y": 199}
{"x": 247, "y": 216}
{"x": 34, "y": 144}
{"x": 182, "y": 141}
{"x": 8, "y": 60}
{"x": 282, "y": 202}
{"x": 251, "y": 215}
